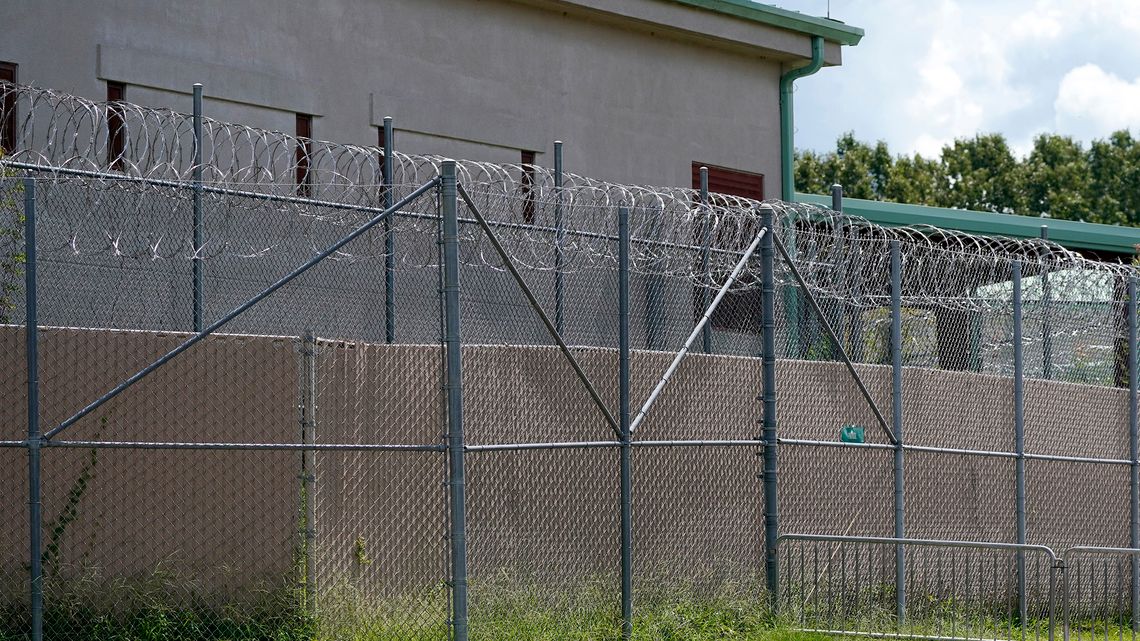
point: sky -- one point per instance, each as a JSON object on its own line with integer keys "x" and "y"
{"x": 930, "y": 71}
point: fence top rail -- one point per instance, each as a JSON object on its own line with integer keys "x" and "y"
{"x": 1099, "y": 550}
{"x": 984, "y": 545}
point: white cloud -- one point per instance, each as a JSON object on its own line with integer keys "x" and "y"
{"x": 1091, "y": 102}
{"x": 928, "y": 72}
{"x": 928, "y": 146}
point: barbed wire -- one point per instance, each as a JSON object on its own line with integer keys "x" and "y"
{"x": 146, "y": 153}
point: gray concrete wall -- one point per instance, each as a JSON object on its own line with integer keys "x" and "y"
{"x": 637, "y": 89}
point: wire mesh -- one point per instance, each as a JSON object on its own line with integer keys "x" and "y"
{"x": 290, "y": 475}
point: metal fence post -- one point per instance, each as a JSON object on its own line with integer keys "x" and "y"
{"x": 768, "y": 323}
{"x": 309, "y": 464}
{"x": 559, "y": 242}
{"x": 1134, "y": 452}
{"x": 623, "y": 402}
{"x": 1046, "y": 325}
{"x": 31, "y": 330}
{"x": 454, "y": 386}
{"x": 1057, "y": 566}
{"x": 1019, "y": 433}
{"x": 896, "y": 412}
{"x": 389, "y": 237}
{"x": 655, "y": 325}
{"x": 196, "y": 178}
{"x": 706, "y": 251}
{"x": 841, "y": 323}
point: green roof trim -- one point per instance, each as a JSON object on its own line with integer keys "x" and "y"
{"x": 1071, "y": 234}
{"x": 832, "y": 30}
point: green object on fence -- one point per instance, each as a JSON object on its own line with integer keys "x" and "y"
{"x": 852, "y": 434}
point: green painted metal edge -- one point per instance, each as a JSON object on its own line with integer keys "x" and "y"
{"x": 792, "y": 20}
{"x": 1067, "y": 233}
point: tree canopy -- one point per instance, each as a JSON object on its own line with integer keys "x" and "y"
{"x": 1059, "y": 177}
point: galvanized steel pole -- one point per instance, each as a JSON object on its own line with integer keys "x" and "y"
{"x": 897, "y": 423}
{"x": 309, "y": 464}
{"x": 1019, "y": 433}
{"x": 768, "y": 324}
{"x": 389, "y": 237}
{"x": 196, "y": 178}
{"x": 454, "y": 386}
{"x": 1046, "y": 325}
{"x": 1134, "y": 452}
{"x": 559, "y": 241}
{"x": 31, "y": 330}
{"x": 706, "y": 250}
{"x": 624, "y": 421}
{"x": 837, "y": 205}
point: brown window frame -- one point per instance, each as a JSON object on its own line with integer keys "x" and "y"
{"x": 529, "y": 211}
{"x": 304, "y": 178}
{"x": 10, "y": 72}
{"x": 738, "y": 311}
{"x": 116, "y": 125}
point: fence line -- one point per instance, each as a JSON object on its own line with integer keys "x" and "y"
{"x": 1006, "y": 363}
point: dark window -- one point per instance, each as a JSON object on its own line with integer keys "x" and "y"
{"x": 381, "y": 143}
{"x": 528, "y": 187}
{"x": 740, "y": 310}
{"x": 8, "y": 108}
{"x": 116, "y": 125}
{"x": 304, "y": 151}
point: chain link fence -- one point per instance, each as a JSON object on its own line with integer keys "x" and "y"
{"x": 300, "y": 389}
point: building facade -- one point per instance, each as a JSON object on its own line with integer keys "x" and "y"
{"x": 639, "y": 90}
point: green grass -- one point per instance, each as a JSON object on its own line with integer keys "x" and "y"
{"x": 504, "y": 609}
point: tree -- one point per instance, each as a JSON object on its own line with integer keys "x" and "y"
{"x": 914, "y": 180}
{"x": 981, "y": 173}
{"x": 1057, "y": 179}
{"x": 1114, "y": 179}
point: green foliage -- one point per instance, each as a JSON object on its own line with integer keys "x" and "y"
{"x": 1059, "y": 177}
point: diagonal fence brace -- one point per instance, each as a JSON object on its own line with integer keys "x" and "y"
{"x": 834, "y": 340}
{"x": 672, "y": 369}
{"x": 529, "y": 293}
{"x": 239, "y": 310}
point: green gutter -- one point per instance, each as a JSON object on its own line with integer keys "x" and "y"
{"x": 1072, "y": 234}
{"x": 787, "y": 117}
{"x": 830, "y": 30}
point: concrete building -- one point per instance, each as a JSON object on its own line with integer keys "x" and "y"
{"x": 640, "y": 90}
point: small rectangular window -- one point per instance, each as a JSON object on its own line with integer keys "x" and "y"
{"x": 304, "y": 151}
{"x": 116, "y": 125}
{"x": 528, "y": 159}
{"x": 8, "y": 108}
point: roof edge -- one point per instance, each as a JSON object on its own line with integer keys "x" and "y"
{"x": 832, "y": 30}
{"x": 1072, "y": 234}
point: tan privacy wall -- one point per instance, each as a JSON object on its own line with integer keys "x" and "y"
{"x": 221, "y": 522}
